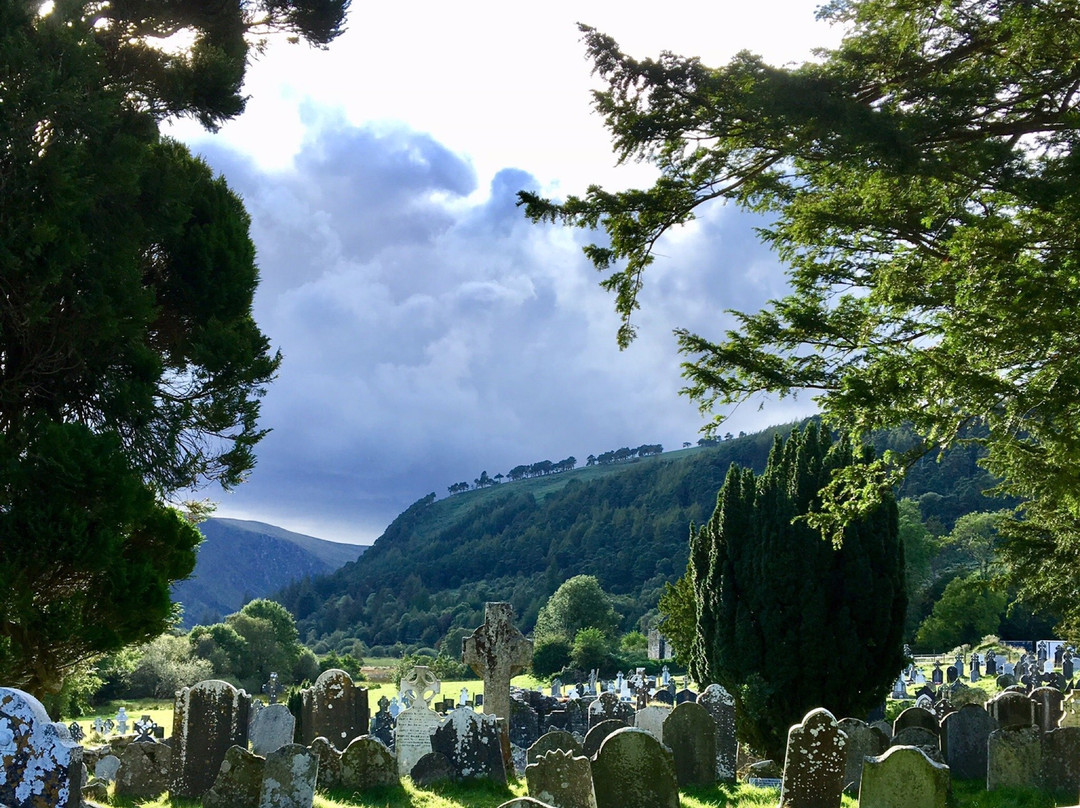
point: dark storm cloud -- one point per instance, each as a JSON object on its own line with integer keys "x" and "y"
{"x": 431, "y": 333}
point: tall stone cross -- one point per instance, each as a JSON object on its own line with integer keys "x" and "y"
{"x": 496, "y": 651}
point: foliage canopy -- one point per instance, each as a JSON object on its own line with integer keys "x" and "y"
{"x": 924, "y": 187}
{"x": 130, "y": 365}
{"x": 787, "y": 622}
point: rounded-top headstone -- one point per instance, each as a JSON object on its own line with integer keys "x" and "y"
{"x": 1012, "y": 710}
{"x": 903, "y": 777}
{"x": 595, "y": 736}
{"x": 634, "y": 770}
{"x": 814, "y": 762}
{"x": 690, "y": 733}
{"x": 916, "y": 717}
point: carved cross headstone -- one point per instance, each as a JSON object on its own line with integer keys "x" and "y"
{"x": 419, "y": 684}
{"x": 272, "y": 688}
{"x": 76, "y": 731}
{"x": 144, "y": 730}
{"x": 496, "y": 651}
{"x": 122, "y": 721}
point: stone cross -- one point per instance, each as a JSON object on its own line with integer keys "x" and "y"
{"x": 496, "y": 651}
{"x": 272, "y": 688}
{"x": 144, "y": 730}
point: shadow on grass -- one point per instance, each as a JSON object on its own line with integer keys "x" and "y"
{"x": 467, "y": 794}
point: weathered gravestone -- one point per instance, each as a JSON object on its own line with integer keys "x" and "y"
{"x": 382, "y": 725}
{"x": 863, "y": 741}
{"x": 289, "y": 778}
{"x": 598, "y": 733}
{"x": 1012, "y": 709}
{"x": 366, "y": 764}
{"x": 921, "y": 737}
{"x": 1048, "y": 703}
{"x": 329, "y": 763}
{"x": 334, "y": 708}
{"x": 272, "y": 728}
{"x": 965, "y": 735}
{"x": 496, "y": 651}
{"x": 238, "y": 781}
{"x": 144, "y": 770}
{"x": 208, "y": 718}
{"x": 412, "y": 735}
{"x": 814, "y": 763}
{"x": 556, "y": 739}
{"x": 903, "y": 777}
{"x": 524, "y": 724}
{"x": 720, "y": 704}
{"x": 690, "y": 734}
{"x": 1060, "y": 764}
{"x": 651, "y": 719}
{"x": 107, "y": 768}
{"x": 42, "y": 766}
{"x": 562, "y": 780}
{"x": 434, "y": 767}
{"x": 916, "y": 717}
{"x": 608, "y": 707}
{"x": 1014, "y": 758}
{"x": 525, "y": 802}
{"x": 472, "y": 743}
{"x": 634, "y": 770}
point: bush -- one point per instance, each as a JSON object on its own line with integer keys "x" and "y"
{"x": 166, "y": 666}
{"x": 590, "y": 649}
{"x": 550, "y": 655}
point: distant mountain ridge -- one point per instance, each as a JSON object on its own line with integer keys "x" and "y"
{"x": 240, "y": 560}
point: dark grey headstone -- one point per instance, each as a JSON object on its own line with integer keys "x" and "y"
{"x": 434, "y": 767}
{"x": 334, "y": 708}
{"x": 598, "y": 733}
{"x": 814, "y": 763}
{"x": 1049, "y": 708}
{"x": 472, "y": 742}
{"x": 690, "y": 734}
{"x": 965, "y": 735}
{"x": 329, "y": 763}
{"x": 607, "y": 707}
{"x": 634, "y": 770}
{"x": 366, "y": 764}
{"x": 238, "y": 781}
{"x": 721, "y": 706}
{"x": 1012, "y": 709}
{"x": 916, "y": 717}
{"x": 208, "y": 718}
{"x": 1060, "y": 772}
{"x": 144, "y": 771}
{"x": 862, "y": 741}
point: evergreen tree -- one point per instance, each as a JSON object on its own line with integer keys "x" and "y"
{"x": 786, "y": 621}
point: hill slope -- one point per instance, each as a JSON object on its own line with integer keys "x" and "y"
{"x": 241, "y": 560}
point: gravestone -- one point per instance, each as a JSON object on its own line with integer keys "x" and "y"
{"x": 289, "y": 778}
{"x": 107, "y": 768}
{"x": 272, "y": 728}
{"x": 496, "y": 651}
{"x": 862, "y": 741}
{"x": 367, "y": 763}
{"x": 471, "y": 741}
{"x": 238, "y": 781}
{"x": 382, "y": 725}
{"x": 144, "y": 770}
{"x": 634, "y": 770}
{"x": 144, "y": 730}
{"x": 329, "y": 763}
{"x": 903, "y": 777}
{"x": 721, "y": 706}
{"x": 690, "y": 734}
{"x": 1060, "y": 765}
{"x": 42, "y": 766}
{"x": 814, "y": 763}
{"x": 598, "y": 733}
{"x": 937, "y": 676}
{"x": 1012, "y": 709}
{"x": 1014, "y": 758}
{"x": 122, "y": 719}
{"x": 334, "y": 708}
{"x": 412, "y": 735}
{"x": 918, "y": 736}
{"x": 991, "y": 663}
{"x": 524, "y": 724}
{"x": 651, "y": 719}
{"x": 916, "y": 717}
{"x": 965, "y": 734}
{"x": 556, "y": 739}
{"x": 419, "y": 684}
{"x": 434, "y": 767}
{"x": 272, "y": 688}
{"x": 1048, "y": 707}
{"x": 608, "y": 707}
{"x": 208, "y": 718}
{"x": 561, "y": 780}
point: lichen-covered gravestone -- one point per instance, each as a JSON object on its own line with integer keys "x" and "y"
{"x": 1014, "y": 758}
{"x": 556, "y": 739}
{"x": 562, "y": 779}
{"x": 814, "y": 763}
{"x": 634, "y": 770}
{"x": 472, "y": 743}
{"x": 1011, "y": 709}
{"x": 1060, "y": 765}
{"x": 862, "y": 741}
{"x": 208, "y": 718}
{"x": 690, "y": 733}
{"x": 721, "y": 706}
{"x": 238, "y": 781}
{"x": 598, "y": 733}
{"x": 651, "y": 719}
{"x": 271, "y": 728}
{"x": 903, "y": 777}
{"x": 289, "y": 778}
{"x": 42, "y": 766}
{"x": 144, "y": 770}
{"x": 334, "y": 708}
{"x": 608, "y": 707}
{"x": 366, "y": 764}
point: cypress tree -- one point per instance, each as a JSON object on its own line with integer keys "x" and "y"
{"x": 786, "y": 621}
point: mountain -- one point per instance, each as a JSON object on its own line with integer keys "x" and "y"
{"x": 240, "y": 560}
{"x": 424, "y": 582}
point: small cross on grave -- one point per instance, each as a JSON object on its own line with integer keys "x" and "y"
{"x": 122, "y": 721}
{"x": 496, "y": 651}
{"x": 99, "y": 726}
{"x": 76, "y": 731}
{"x": 272, "y": 688}
{"x": 108, "y": 726}
{"x": 144, "y": 730}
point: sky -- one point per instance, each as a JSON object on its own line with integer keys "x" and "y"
{"x": 429, "y": 331}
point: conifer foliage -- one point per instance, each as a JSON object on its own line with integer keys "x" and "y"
{"x": 785, "y": 620}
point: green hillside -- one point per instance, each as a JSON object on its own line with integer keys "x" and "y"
{"x": 425, "y": 580}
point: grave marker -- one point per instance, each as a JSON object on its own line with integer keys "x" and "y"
{"x": 334, "y": 708}
{"x": 208, "y": 718}
{"x": 814, "y": 763}
{"x": 41, "y": 765}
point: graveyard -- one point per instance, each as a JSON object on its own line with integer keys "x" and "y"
{"x": 946, "y": 736}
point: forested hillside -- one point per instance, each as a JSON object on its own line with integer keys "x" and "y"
{"x": 425, "y": 580}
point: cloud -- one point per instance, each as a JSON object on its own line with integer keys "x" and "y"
{"x": 430, "y": 332}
